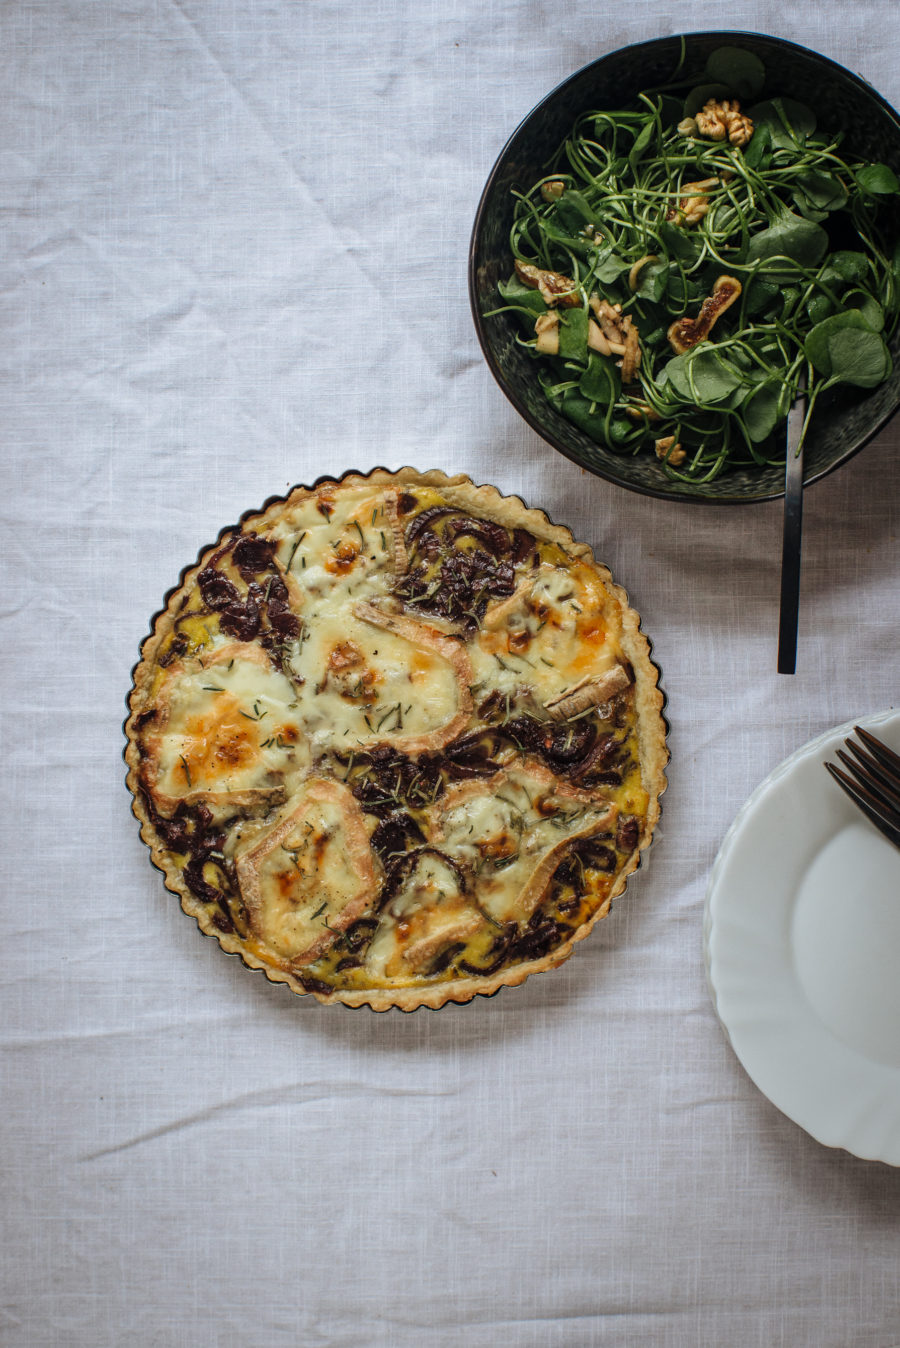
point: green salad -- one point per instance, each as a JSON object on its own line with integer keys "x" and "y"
{"x": 688, "y": 260}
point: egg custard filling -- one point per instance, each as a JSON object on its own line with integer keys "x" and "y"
{"x": 397, "y": 740}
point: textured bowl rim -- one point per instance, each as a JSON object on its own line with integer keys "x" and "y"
{"x": 547, "y": 435}
{"x": 253, "y": 512}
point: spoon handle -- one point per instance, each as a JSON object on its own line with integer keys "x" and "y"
{"x": 793, "y": 531}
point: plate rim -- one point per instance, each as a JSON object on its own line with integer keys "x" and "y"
{"x": 829, "y": 1134}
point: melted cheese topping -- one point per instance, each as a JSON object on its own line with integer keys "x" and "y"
{"x": 428, "y": 913}
{"x": 557, "y": 627}
{"x": 359, "y": 684}
{"x": 506, "y": 830}
{"x": 345, "y": 539}
{"x": 229, "y": 728}
{"x": 309, "y": 875}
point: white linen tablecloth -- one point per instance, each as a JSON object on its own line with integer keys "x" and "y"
{"x": 234, "y": 258}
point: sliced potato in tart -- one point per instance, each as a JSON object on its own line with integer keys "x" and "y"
{"x": 397, "y": 740}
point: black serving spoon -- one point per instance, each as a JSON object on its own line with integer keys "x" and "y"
{"x": 793, "y": 531}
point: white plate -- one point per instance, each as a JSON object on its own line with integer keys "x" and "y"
{"x": 802, "y": 945}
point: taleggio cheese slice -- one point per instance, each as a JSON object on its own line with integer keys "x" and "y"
{"x": 429, "y": 912}
{"x": 558, "y": 630}
{"x": 310, "y": 875}
{"x": 365, "y": 676}
{"x": 510, "y": 831}
{"x": 228, "y": 733}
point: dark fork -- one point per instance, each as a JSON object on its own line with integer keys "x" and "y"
{"x": 874, "y": 783}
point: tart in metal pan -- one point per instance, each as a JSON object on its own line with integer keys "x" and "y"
{"x": 396, "y": 740}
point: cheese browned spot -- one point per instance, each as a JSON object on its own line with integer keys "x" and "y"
{"x": 227, "y": 733}
{"x": 310, "y": 875}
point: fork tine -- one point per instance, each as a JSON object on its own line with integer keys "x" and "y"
{"x": 871, "y": 774}
{"x": 868, "y": 790}
{"x": 886, "y": 825}
{"x": 886, "y": 756}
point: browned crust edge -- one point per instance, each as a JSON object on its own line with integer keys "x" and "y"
{"x": 651, "y": 723}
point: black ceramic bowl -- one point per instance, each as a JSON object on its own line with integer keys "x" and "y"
{"x": 842, "y": 101}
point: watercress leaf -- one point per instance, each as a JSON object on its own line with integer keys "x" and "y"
{"x": 866, "y": 305}
{"x": 760, "y": 143}
{"x": 806, "y": 208}
{"x": 823, "y": 191}
{"x": 741, "y": 70}
{"x": 790, "y": 296}
{"x": 792, "y": 237}
{"x": 848, "y": 265}
{"x": 762, "y": 410}
{"x": 750, "y": 372}
{"x": 601, "y": 382}
{"x": 816, "y": 346}
{"x": 681, "y": 291}
{"x": 648, "y": 131}
{"x": 670, "y": 110}
{"x": 622, "y": 434}
{"x": 878, "y": 180}
{"x": 859, "y": 358}
{"x": 573, "y": 332}
{"x": 819, "y": 307}
{"x": 555, "y": 232}
{"x": 762, "y": 297}
{"x": 678, "y": 243}
{"x": 653, "y": 280}
{"x": 701, "y": 95}
{"x": 579, "y": 410}
{"x": 701, "y": 376}
{"x": 573, "y": 212}
{"x": 790, "y": 123}
{"x": 649, "y": 316}
{"x": 609, "y": 267}
{"x": 515, "y": 292}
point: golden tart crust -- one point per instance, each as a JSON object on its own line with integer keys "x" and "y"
{"x": 396, "y": 740}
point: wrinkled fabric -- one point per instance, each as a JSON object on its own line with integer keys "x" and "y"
{"x": 234, "y": 244}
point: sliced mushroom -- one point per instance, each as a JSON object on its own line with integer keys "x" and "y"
{"x": 546, "y": 327}
{"x": 597, "y": 342}
{"x": 638, "y": 267}
{"x": 609, "y": 318}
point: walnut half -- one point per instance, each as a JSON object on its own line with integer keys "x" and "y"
{"x": 724, "y": 121}
{"x": 668, "y": 451}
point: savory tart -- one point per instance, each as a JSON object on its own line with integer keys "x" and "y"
{"x": 396, "y": 740}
